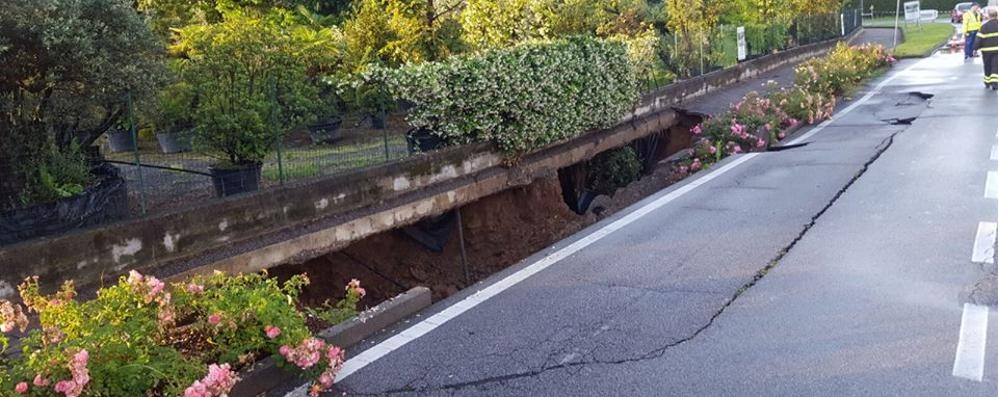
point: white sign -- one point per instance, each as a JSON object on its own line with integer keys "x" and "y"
{"x": 912, "y": 10}
{"x": 742, "y": 45}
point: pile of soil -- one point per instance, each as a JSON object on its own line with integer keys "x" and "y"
{"x": 500, "y": 230}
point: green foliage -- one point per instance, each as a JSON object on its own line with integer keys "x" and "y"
{"x": 494, "y": 24}
{"x": 69, "y": 68}
{"x": 394, "y": 32}
{"x": 613, "y": 169}
{"x": 759, "y": 120}
{"x": 251, "y": 80}
{"x": 144, "y": 338}
{"x": 342, "y": 310}
{"x": 520, "y": 98}
{"x": 57, "y": 174}
{"x": 841, "y": 69}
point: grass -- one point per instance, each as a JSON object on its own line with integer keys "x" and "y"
{"x": 922, "y": 40}
{"x": 919, "y": 40}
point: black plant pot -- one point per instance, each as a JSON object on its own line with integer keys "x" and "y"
{"x": 121, "y": 141}
{"x": 174, "y": 142}
{"x": 104, "y": 202}
{"x": 236, "y": 179}
{"x": 421, "y": 140}
{"x": 327, "y": 131}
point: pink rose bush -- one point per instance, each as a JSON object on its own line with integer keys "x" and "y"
{"x": 144, "y": 337}
{"x": 760, "y": 120}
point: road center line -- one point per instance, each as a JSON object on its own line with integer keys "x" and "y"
{"x": 382, "y": 349}
{"x": 969, "y": 362}
{"x": 984, "y": 243}
{"x": 991, "y": 185}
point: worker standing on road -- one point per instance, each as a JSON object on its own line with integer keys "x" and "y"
{"x": 971, "y": 25}
{"x": 987, "y": 43}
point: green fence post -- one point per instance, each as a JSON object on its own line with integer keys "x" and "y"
{"x": 277, "y": 130}
{"x": 138, "y": 158}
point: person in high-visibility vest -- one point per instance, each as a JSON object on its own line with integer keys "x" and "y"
{"x": 987, "y": 44}
{"x": 971, "y": 25}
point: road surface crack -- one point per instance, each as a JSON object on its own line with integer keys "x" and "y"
{"x": 485, "y": 383}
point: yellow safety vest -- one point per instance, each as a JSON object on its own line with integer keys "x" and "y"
{"x": 971, "y": 22}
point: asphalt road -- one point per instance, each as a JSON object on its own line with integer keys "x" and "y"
{"x": 838, "y": 268}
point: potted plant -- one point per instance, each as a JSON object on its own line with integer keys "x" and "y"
{"x": 172, "y": 119}
{"x": 250, "y": 87}
{"x": 326, "y": 128}
{"x": 120, "y": 138}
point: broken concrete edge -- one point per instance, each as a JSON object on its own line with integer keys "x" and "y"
{"x": 433, "y": 200}
{"x": 216, "y": 230}
{"x": 265, "y": 375}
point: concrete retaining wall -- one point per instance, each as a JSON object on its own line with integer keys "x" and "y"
{"x": 301, "y": 221}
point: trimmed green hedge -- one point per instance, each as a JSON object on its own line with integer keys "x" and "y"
{"x": 520, "y": 98}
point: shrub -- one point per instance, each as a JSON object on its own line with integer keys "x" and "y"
{"x": 613, "y": 169}
{"x": 520, "y": 98}
{"x": 70, "y": 67}
{"x": 758, "y": 120}
{"x": 142, "y": 337}
{"x": 252, "y": 78}
{"x": 841, "y": 69}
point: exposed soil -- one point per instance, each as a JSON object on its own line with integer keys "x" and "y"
{"x": 500, "y": 230}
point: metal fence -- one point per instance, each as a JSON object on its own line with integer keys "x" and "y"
{"x": 160, "y": 181}
{"x": 696, "y": 53}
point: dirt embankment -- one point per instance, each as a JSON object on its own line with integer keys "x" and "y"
{"x": 500, "y": 230}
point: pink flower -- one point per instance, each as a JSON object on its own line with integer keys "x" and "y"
{"x": 354, "y": 288}
{"x": 195, "y": 289}
{"x": 218, "y": 382}
{"x": 760, "y": 143}
{"x": 284, "y": 350}
{"x": 697, "y": 130}
{"x": 683, "y": 170}
{"x": 40, "y": 381}
{"x": 781, "y": 135}
{"x": 696, "y": 165}
{"x": 73, "y": 387}
{"x": 21, "y": 388}
{"x": 272, "y": 331}
{"x": 712, "y": 149}
{"x": 214, "y": 319}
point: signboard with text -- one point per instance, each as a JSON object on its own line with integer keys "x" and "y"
{"x": 742, "y": 45}
{"x": 912, "y": 10}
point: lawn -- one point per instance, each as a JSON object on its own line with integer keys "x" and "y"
{"x": 919, "y": 40}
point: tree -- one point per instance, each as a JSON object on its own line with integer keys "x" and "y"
{"x": 491, "y": 24}
{"x": 251, "y": 78}
{"x": 394, "y": 32}
{"x": 70, "y": 67}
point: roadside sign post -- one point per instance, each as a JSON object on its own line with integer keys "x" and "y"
{"x": 742, "y": 45}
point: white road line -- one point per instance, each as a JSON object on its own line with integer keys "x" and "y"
{"x": 984, "y": 243}
{"x": 991, "y": 185}
{"x": 361, "y": 360}
{"x": 430, "y": 323}
{"x": 969, "y": 362}
{"x": 994, "y": 152}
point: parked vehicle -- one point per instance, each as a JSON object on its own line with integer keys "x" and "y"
{"x": 956, "y": 15}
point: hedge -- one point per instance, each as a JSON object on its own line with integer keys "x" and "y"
{"x": 521, "y": 98}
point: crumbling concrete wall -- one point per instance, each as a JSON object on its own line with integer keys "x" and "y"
{"x": 300, "y": 221}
